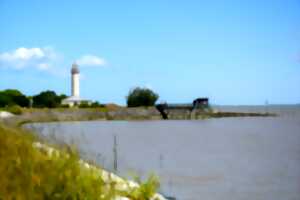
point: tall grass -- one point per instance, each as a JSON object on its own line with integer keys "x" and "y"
{"x": 27, "y": 172}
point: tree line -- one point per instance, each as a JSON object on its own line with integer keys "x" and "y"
{"x": 49, "y": 99}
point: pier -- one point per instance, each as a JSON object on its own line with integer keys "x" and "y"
{"x": 166, "y": 108}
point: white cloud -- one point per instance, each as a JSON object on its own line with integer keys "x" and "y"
{"x": 21, "y": 58}
{"x": 44, "y": 59}
{"x": 23, "y": 54}
{"x": 91, "y": 60}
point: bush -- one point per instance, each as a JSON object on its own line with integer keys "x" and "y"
{"x": 64, "y": 106}
{"x": 96, "y": 104}
{"x": 141, "y": 97}
{"x": 84, "y": 104}
{"x": 15, "y": 109}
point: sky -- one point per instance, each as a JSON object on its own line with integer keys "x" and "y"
{"x": 234, "y": 52}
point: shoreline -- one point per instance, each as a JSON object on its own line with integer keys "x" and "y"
{"x": 127, "y": 114}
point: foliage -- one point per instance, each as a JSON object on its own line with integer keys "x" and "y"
{"x": 30, "y": 173}
{"x": 84, "y": 104}
{"x": 47, "y": 99}
{"x": 61, "y": 97}
{"x": 15, "y": 109}
{"x": 13, "y": 97}
{"x": 64, "y": 106}
{"x": 5, "y": 100}
{"x": 146, "y": 189}
{"x": 96, "y": 104}
{"x": 141, "y": 97}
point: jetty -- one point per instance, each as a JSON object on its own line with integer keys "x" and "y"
{"x": 198, "y": 104}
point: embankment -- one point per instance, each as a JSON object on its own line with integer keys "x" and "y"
{"x": 122, "y": 113}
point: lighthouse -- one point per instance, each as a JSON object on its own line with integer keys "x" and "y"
{"x": 75, "y": 98}
{"x": 75, "y": 74}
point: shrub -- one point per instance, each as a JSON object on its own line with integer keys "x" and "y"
{"x": 96, "y": 104}
{"x": 84, "y": 104}
{"x": 147, "y": 189}
{"x": 141, "y": 97}
{"x": 14, "y": 109}
{"x": 64, "y": 106}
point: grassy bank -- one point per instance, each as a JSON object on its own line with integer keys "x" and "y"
{"x": 28, "y": 172}
{"x": 82, "y": 114}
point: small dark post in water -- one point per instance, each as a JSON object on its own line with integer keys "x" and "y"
{"x": 161, "y": 158}
{"x": 115, "y": 154}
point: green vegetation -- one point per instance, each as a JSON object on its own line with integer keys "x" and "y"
{"x": 45, "y": 99}
{"x": 15, "y": 109}
{"x": 141, "y": 97}
{"x": 86, "y": 104}
{"x": 48, "y": 99}
{"x": 96, "y": 104}
{"x": 13, "y": 101}
{"x": 11, "y": 97}
{"x": 28, "y": 172}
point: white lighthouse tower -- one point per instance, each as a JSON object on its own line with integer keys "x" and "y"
{"x": 75, "y": 99}
{"x": 75, "y": 73}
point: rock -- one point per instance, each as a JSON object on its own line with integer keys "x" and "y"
{"x": 4, "y": 114}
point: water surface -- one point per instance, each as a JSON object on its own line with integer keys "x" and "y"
{"x": 229, "y": 158}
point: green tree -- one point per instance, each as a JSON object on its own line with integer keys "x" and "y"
{"x": 61, "y": 97}
{"x": 11, "y": 97}
{"x": 96, "y": 104}
{"x": 12, "y": 92}
{"x": 47, "y": 99}
{"x": 141, "y": 97}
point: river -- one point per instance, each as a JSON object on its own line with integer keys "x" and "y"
{"x": 216, "y": 159}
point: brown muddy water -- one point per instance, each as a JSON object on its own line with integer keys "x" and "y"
{"x": 216, "y": 159}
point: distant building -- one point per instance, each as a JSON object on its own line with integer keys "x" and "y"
{"x": 75, "y": 99}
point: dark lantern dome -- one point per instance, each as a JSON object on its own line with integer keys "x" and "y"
{"x": 75, "y": 69}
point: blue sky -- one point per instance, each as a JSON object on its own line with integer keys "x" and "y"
{"x": 234, "y": 52}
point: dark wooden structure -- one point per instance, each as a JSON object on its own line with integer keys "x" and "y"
{"x": 198, "y": 103}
